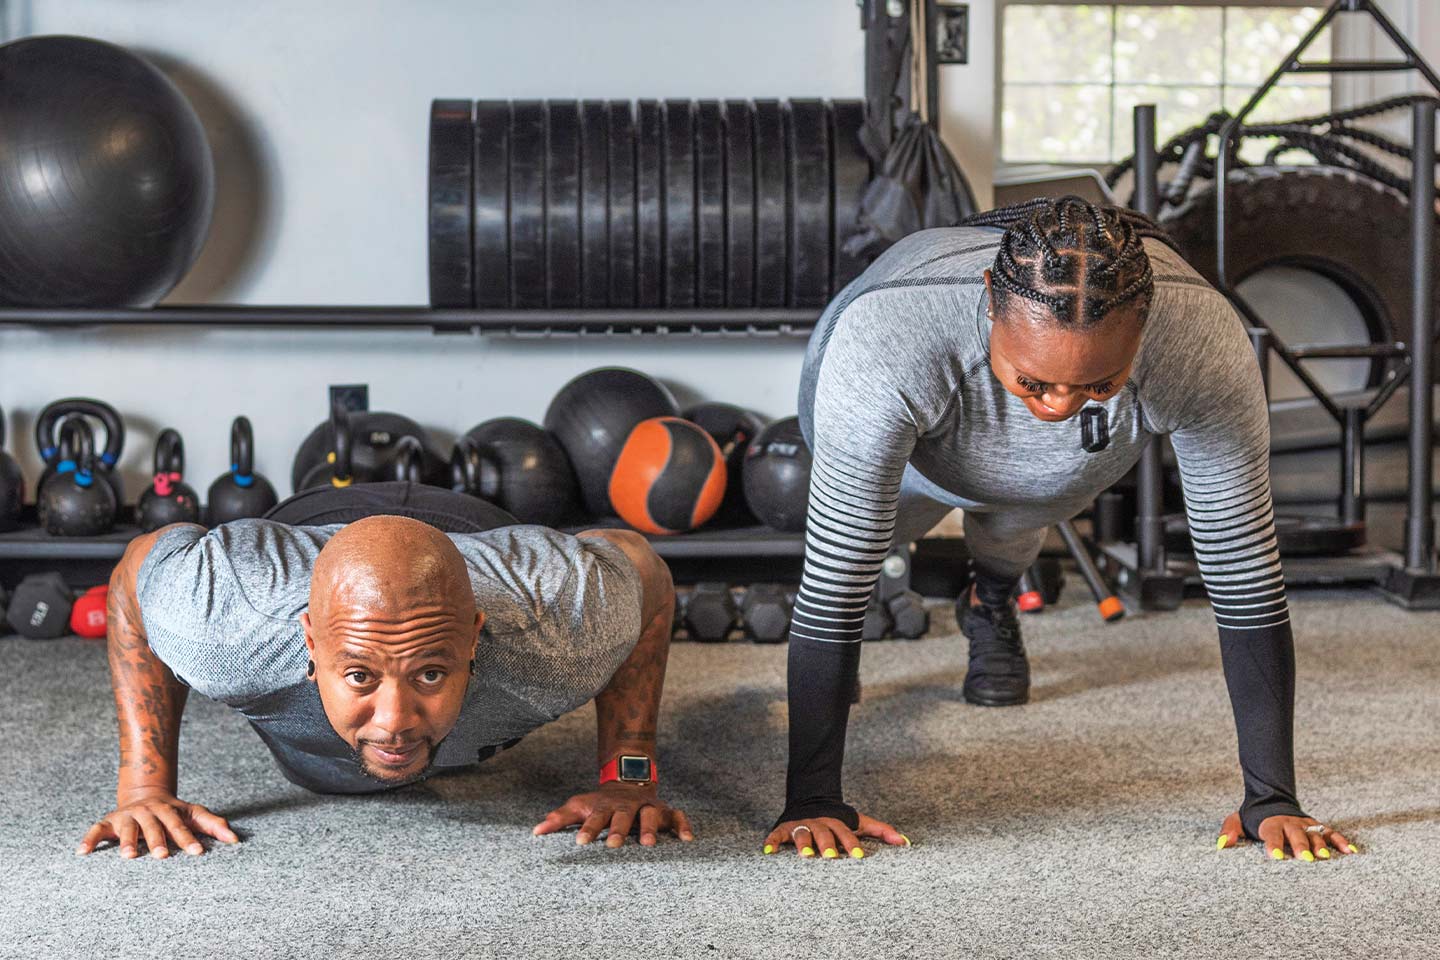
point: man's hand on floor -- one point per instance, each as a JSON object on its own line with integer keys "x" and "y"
{"x": 1306, "y": 838}
{"x": 160, "y": 819}
{"x": 618, "y": 808}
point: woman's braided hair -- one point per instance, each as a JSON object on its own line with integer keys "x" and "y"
{"x": 1076, "y": 259}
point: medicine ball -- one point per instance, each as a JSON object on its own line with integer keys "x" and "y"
{"x": 529, "y": 475}
{"x": 669, "y": 478}
{"x": 592, "y": 417}
{"x": 106, "y": 178}
{"x": 777, "y": 476}
{"x": 732, "y": 428}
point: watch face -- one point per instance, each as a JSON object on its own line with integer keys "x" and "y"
{"x": 634, "y": 768}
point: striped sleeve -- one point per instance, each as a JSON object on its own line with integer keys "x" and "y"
{"x": 863, "y": 434}
{"x": 1222, "y": 447}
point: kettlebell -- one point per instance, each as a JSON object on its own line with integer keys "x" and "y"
{"x": 336, "y": 469}
{"x": 12, "y": 485}
{"x": 169, "y": 498}
{"x": 75, "y": 501}
{"x": 47, "y": 439}
{"x": 474, "y": 470}
{"x": 409, "y": 463}
{"x": 242, "y": 492}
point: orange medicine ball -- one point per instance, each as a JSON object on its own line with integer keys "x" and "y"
{"x": 670, "y": 476}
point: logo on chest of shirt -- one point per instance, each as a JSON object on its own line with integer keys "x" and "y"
{"x": 1094, "y": 429}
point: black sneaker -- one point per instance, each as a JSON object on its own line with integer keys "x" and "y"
{"x": 999, "y": 674}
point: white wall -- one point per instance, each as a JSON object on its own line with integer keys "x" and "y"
{"x": 318, "y": 112}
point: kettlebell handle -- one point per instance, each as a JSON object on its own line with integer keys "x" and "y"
{"x": 46, "y": 439}
{"x": 77, "y": 441}
{"x": 169, "y": 454}
{"x": 340, "y": 465}
{"x": 409, "y": 460}
{"x": 242, "y": 450}
{"x": 474, "y": 469}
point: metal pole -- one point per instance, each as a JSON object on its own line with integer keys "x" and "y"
{"x": 1419, "y": 514}
{"x": 1260, "y": 342}
{"x": 1149, "y": 499}
{"x": 1352, "y": 467}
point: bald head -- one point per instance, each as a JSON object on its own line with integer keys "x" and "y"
{"x": 390, "y": 572}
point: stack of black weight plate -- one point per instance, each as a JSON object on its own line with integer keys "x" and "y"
{"x": 655, "y": 204}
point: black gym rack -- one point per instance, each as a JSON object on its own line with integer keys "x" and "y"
{"x": 1150, "y": 579}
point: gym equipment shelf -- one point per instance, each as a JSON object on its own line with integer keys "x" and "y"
{"x": 737, "y": 322}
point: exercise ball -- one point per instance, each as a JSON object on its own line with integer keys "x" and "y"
{"x": 592, "y": 417}
{"x": 732, "y": 428}
{"x": 529, "y": 474}
{"x": 669, "y": 477}
{"x": 106, "y": 178}
{"x": 777, "y": 476}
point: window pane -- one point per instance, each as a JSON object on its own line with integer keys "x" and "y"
{"x": 1054, "y": 43}
{"x": 1257, "y": 40}
{"x": 1056, "y": 124}
{"x": 1168, "y": 45}
{"x": 1285, "y": 102}
{"x": 1176, "y": 109}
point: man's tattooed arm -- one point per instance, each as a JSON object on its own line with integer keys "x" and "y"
{"x": 627, "y": 710}
{"x": 148, "y": 698}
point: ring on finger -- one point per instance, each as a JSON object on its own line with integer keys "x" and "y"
{"x": 1316, "y": 828}
{"x": 802, "y": 827}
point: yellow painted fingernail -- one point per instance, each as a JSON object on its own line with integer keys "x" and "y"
{"x": 906, "y": 839}
{"x": 1353, "y": 848}
{"x": 1220, "y": 844}
{"x": 1277, "y": 854}
{"x": 830, "y": 853}
{"x": 769, "y": 848}
{"x": 1307, "y": 856}
{"x": 1324, "y": 853}
{"x": 858, "y": 854}
{"x": 808, "y": 852}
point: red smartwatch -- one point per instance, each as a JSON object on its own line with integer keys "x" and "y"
{"x": 629, "y": 769}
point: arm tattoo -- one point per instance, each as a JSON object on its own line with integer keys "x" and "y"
{"x": 628, "y": 709}
{"x": 148, "y": 698}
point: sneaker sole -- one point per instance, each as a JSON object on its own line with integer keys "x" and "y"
{"x": 996, "y": 701}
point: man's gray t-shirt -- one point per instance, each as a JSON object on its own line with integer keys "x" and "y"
{"x": 221, "y": 610}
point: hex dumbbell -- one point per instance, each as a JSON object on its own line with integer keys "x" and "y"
{"x": 765, "y": 612}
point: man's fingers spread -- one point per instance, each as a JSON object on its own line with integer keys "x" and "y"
{"x": 682, "y": 826}
{"x": 180, "y": 833}
{"x": 649, "y": 824}
{"x": 592, "y": 826}
{"x": 100, "y": 831}
{"x": 554, "y": 820}
{"x": 620, "y": 825}
{"x": 154, "y": 834}
{"x": 212, "y": 824}
{"x": 129, "y": 834}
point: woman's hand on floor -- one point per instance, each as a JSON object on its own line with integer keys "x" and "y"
{"x": 160, "y": 819}
{"x": 830, "y": 839}
{"x": 618, "y": 809}
{"x": 1280, "y": 833}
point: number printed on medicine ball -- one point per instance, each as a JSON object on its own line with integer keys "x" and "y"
{"x": 670, "y": 476}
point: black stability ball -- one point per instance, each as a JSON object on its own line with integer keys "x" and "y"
{"x": 777, "y": 476}
{"x": 530, "y": 474}
{"x": 106, "y": 178}
{"x": 592, "y": 417}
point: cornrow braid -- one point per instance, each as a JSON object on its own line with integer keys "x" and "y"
{"x": 1077, "y": 259}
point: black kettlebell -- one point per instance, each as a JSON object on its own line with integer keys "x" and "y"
{"x": 12, "y": 485}
{"x": 409, "y": 463}
{"x": 47, "y": 439}
{"x": 76, "y": 501}
{"x": 169, "y": 498}
{"x": 474, "y": 470}
{"x": 336, "y": 469}
{"x": 242, "y": 492}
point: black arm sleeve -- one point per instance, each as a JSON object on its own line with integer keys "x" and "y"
{"x": 1260, "y": 675}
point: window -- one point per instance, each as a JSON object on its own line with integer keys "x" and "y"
{"x": 1072, "y": 73}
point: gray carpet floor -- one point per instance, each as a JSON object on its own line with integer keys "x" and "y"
{"x": 1081, "y": 825}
